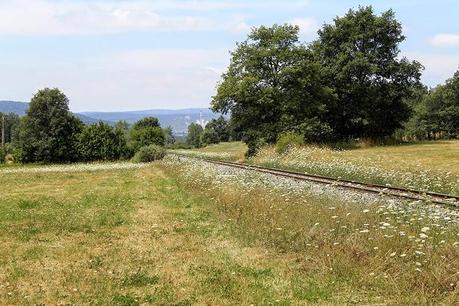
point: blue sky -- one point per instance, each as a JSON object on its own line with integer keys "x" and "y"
{"x": 109, "y": 55}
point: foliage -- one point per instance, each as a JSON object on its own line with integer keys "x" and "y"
{"x": 287, "y": 141}
{"x": 101, "y": 142}
{"x": 11, "y": 123}
{"x": 48, "y": 133}
{"x": 437, "y": 115}
{"x": 146, "y": 132}
{"x": 209, "y": 136}
{"x": 273, "y": 85}
{"x": 221, "y": 128}
{"x": 149, "y": 153}
{"x": 169, "y": 138}
{"x": 180, "y": 145}
{"x": 360, "y": 56}
{"x": 195, "y": 132}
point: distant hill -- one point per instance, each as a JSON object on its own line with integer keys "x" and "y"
{"x": 178, "y": 119}
{"x": 19, "y": 108}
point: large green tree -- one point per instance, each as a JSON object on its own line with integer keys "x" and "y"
{"x": 273, "y": 85}
{"x": 146, "y": 132}
{"x": 360, "y": 56}
{"x": 48, "y": 133}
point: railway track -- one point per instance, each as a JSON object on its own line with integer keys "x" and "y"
{"x": 398, "y": 192}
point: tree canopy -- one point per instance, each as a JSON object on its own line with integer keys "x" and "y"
{"x": 360, "y": 56}
{"x": 48, "y": 133}
{"x": 146, "y": 132}
{"x": 437, "y": 115}
{"x": 101, "y": 142}
{"x": 273, "y": 85}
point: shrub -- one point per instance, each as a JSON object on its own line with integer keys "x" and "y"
{"x": 288, "y": 140}
{"x": 146, "y": 132}
{"x": 149, "y": 153}
{"x": 101, "y": 142}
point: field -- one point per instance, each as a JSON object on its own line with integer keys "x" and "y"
{"x": 430, "y": 166}
{"x": 185, "y": 232}
{"x": 230, "y": 151}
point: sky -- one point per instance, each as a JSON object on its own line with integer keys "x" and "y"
{"x": 114, "y": 55}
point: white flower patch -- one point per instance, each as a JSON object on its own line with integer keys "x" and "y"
{"x": 75, "y": 168}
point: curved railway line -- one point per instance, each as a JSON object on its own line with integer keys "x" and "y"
{"x": 398, "y": 192}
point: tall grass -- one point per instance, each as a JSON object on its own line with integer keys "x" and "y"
{"x": 369, "y": 168}
{"x": 369, "y": 250}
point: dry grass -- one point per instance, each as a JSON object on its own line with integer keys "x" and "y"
{"x": 338, "y": 252}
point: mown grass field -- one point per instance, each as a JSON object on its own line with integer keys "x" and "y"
{"x": 181, "y": 233}
{"x": 430, "y": 166}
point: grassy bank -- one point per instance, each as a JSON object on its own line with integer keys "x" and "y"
{"x": 429, "y": 166}
{"x": 426, "y": 166}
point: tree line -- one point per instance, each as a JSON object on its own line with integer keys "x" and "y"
{"x": 350, "y": 83}
{"x": 50, "y": 133}
{"x": 215, "y": 131}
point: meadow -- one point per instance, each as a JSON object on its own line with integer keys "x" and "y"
{"x": 185, "y": 232}
{"x": 428, "y": 166}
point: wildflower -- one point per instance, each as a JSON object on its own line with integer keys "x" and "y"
{"x": 423, "y": 236}
{"x": 393, "y": 254}
{"x": 364, "y": 231}
{"x": 425, "y": 229}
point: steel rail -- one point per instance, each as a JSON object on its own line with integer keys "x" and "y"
{"x": 399, "y": 192}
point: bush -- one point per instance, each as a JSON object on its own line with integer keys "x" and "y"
{"x": 149, "y": 153}
{"x": 288, "y": 140}
{"x": 101, "y": 142}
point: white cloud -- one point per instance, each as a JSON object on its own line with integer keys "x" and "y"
{"x": 438, "y": 67}
{"x": 141, "y": 79}
{"x": 41, "y": 17}
{"x": 65, "y": 17}
{"x": 445, "y": 40}
{"x": 307, "y": 25}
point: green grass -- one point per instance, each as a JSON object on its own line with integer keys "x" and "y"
{"x": 150, "y": 236}
{"x": 230, "y": 151}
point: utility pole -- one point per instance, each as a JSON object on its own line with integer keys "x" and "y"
{"x": 3, "y": 132}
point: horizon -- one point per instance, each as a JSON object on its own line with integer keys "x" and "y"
{"x": 122, "y": 111}
{"x": 171, "y": 54}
